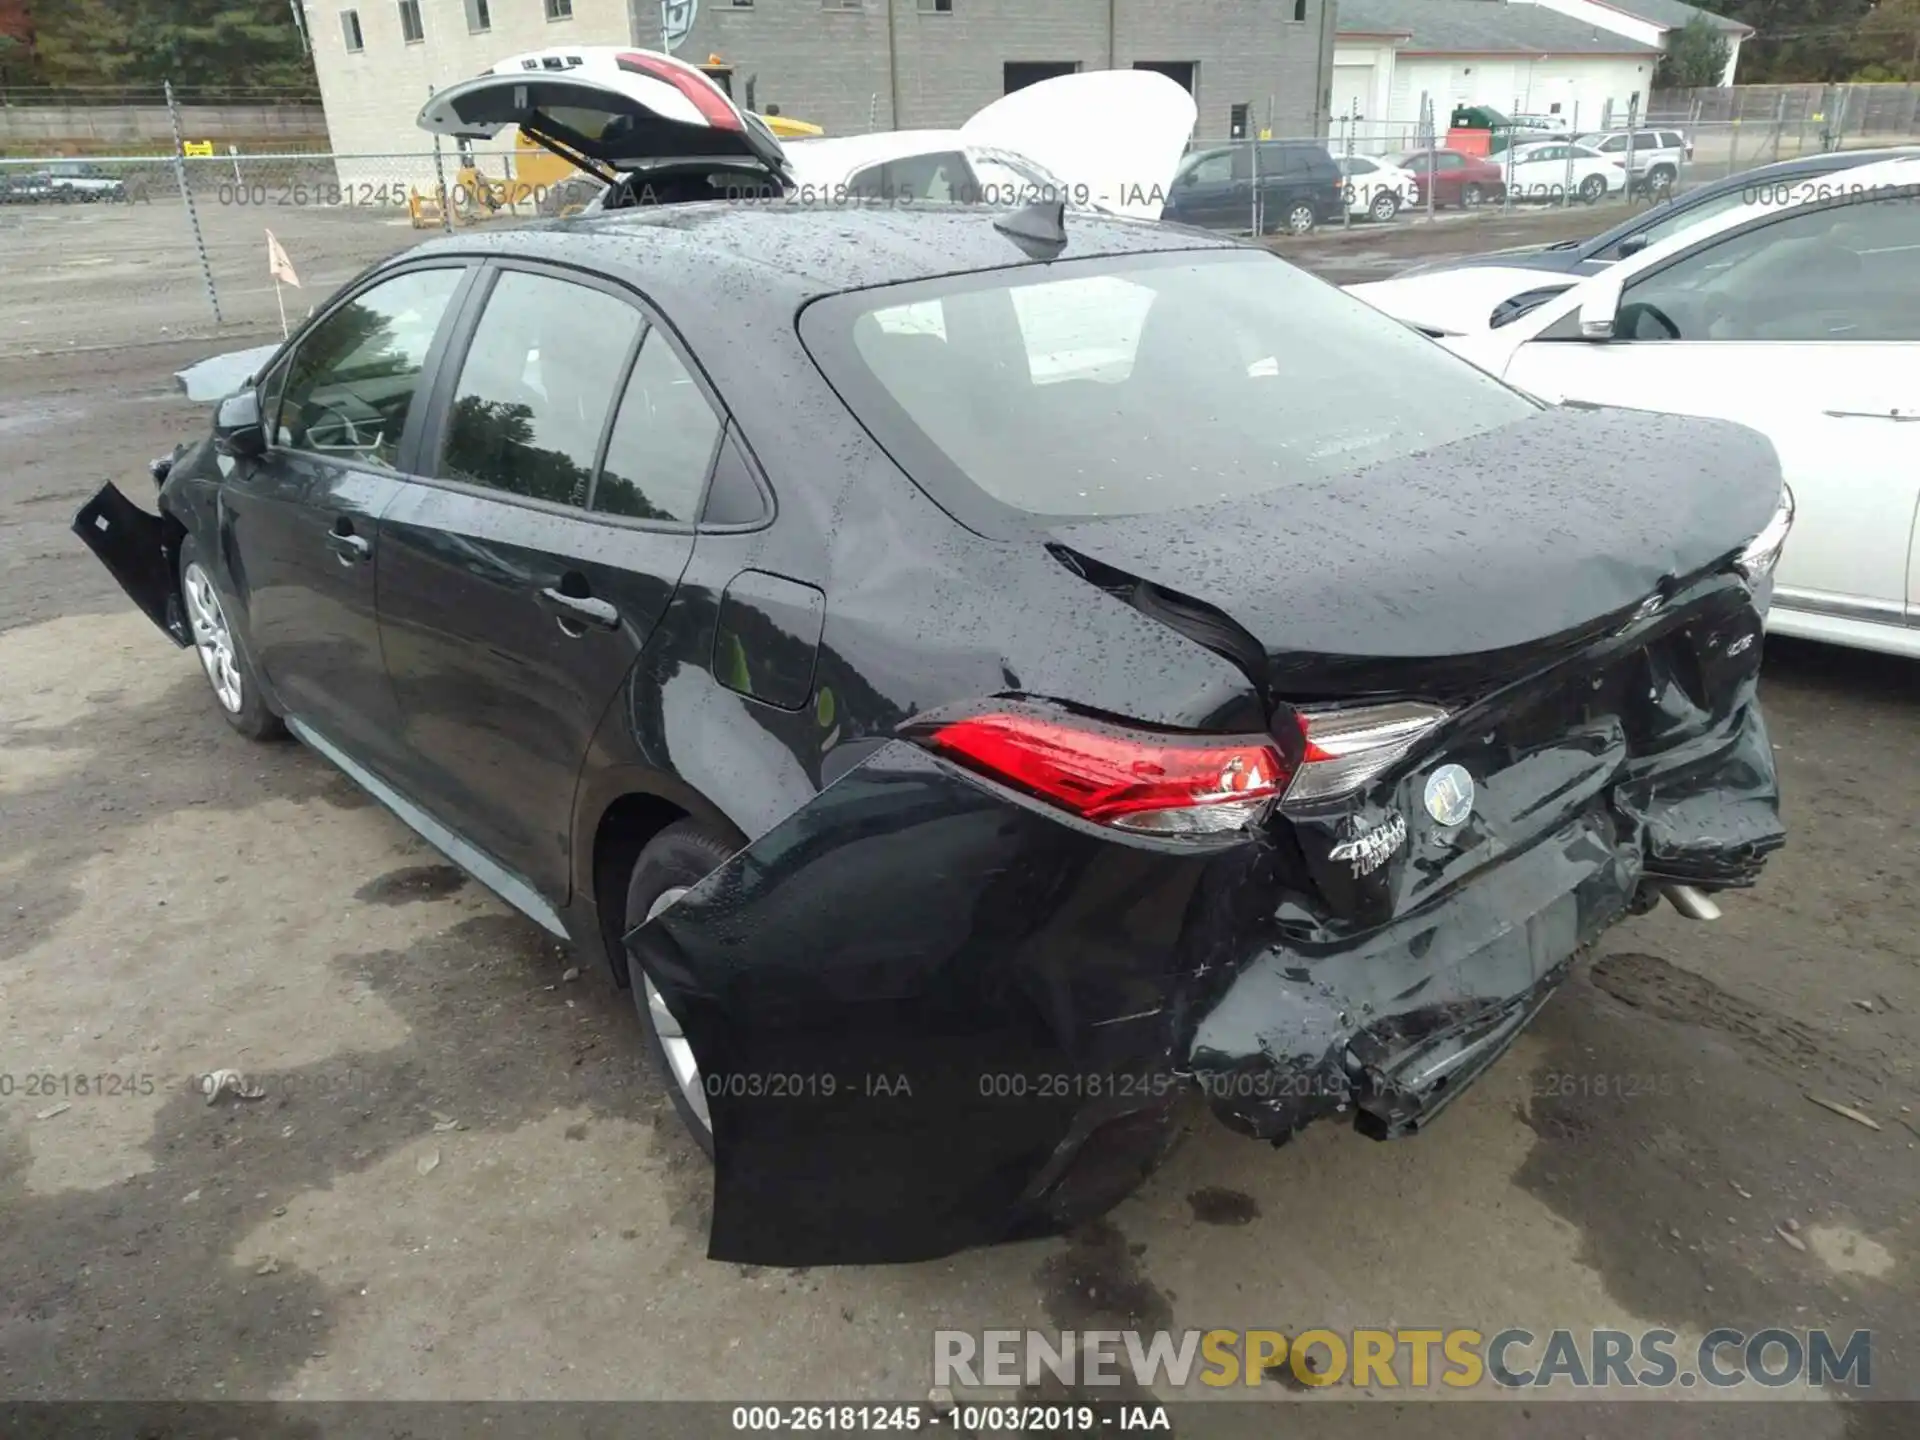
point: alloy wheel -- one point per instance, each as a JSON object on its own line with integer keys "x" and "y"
{"x": 213, "y": 638}
{"x": 673, "y": 1039}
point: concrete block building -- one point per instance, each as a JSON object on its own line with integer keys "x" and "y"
{"x": 848, "y": 65}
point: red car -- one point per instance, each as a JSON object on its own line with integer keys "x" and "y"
{"x": 1457, "y": 177}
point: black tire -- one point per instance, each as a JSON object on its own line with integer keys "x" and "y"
{"x": 1471, "y": 195}
{"x": 1660, "y": 179}
{"x": 1300, "y": 219}
{"x": 680, "y": 855}
{"x": 1592, "y": 188}
{"x": 247, "y": 710}
{"x": 1385, "y": 206}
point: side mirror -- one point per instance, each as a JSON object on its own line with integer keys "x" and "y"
{"x": 1599, "y": 307}
{"x": 236, "y": 426}
{"x": 1632, "y": 245}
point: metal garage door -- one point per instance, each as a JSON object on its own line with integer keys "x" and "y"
{"x": 1353, "y": 93}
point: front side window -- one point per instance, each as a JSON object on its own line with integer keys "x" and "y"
{"x": 1840, "y": 272}
{"x": 662, "y": 443}
{"x": 351, "y": 384}
{"x": 536, "y": 387}
{"x": 1214, "y": 169}
{"x": 1131, "y": 385}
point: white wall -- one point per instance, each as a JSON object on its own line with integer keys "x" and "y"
{"x": 1375, "y": 93}
{"x": 372, "y": 97}
{"x": 1580, "y": 85}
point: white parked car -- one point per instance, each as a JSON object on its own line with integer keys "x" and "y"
{"x": 1658, "y": 156}
{"x": 1377, "y": 189}
{"x": 1102, "y": 139}
{"x": 1801, "y": 319}
{"x": 1549, "y": 169}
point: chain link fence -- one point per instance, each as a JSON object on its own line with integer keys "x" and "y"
{"x": 1413, "y": 171}
{"x": 121, "y": 250}
{"x": 127, "y": 249}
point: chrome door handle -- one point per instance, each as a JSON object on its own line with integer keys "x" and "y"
{"x": 351, "y": 549}
{"x": 579, "y": 609}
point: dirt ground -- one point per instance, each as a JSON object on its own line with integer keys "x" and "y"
{"x": 463, "y": 1183}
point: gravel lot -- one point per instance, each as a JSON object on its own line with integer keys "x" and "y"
{"x": 462, "y": 1183}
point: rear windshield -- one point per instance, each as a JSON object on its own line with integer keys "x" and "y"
{"x": 1135, "y": 384}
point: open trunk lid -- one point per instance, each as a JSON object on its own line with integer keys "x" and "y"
{"x": 616, "y": 107}
{"x": 1489, "y": 546}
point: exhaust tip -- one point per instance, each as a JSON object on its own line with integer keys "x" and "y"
{"x": 1692, "y": 903}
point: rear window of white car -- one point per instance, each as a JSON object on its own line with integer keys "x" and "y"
{"x": 1140, "y": 383}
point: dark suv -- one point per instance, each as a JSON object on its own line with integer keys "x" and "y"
{"x": 1297, "y": 183}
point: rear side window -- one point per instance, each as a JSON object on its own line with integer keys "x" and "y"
{"x": 662, "y": 443}
{"x": 939, "y": 177}
{"x": 536, "y": 388}
{"x": 1137, "y": 384}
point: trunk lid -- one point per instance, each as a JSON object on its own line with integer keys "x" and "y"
{"x": 1483, "y": 552}
{"x": 617, "y": 107}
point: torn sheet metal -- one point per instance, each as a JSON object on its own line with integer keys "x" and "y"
{"x": 932, "y": 1013}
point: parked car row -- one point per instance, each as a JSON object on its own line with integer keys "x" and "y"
{"x": 1296, "y": 185}
{"x": 833, "y": 618}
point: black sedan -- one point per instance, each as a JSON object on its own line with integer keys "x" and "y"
{"x": 984, "y": 682}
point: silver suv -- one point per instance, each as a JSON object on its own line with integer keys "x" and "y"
{"x": 1653, "y": 158}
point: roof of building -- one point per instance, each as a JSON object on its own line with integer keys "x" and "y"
{"x": 1674, "y": 14}
{"x": 1487, "y": 27}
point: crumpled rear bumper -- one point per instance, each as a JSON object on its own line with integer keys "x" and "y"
{"x": 932, "y": 1013}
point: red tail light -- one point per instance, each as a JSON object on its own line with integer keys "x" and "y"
{"x": 1138, "y": 780}
{"x": 707, "y": 97}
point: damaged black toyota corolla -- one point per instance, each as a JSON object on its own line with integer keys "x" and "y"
{"x": 989, "y": 685}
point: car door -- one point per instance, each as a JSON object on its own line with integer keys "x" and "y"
{"x": 1539, "y": 171}
{"x": 300, "y": 521}
{"x": 1212, "y": 190}
{"x": 522, "y": 574}
{"x": 1805, "y": 326}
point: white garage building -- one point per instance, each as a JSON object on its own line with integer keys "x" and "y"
{"x": 1520, "y": 59}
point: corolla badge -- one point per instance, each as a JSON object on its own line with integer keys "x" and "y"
{"x": 1449, "y": 794}
{"x": 1369, "y": 851}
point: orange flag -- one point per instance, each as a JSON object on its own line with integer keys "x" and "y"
{"x": 278, "y": 265}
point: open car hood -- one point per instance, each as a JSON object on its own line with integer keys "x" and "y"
{"x": 1120, "y": 134}
{"x": 616, "y": 107}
